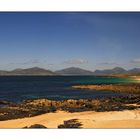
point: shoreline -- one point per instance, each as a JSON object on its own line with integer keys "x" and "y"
{"x": 88, "y": 119}
{"x": 30, "y": 108}
{"x": 133, "y": 88}
{"x": 109, "y": 112}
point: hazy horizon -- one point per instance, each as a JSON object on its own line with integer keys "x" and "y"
{"x": 59, "y": 40}
{"x": 66, "y": 68}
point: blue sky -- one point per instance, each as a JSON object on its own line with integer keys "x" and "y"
{"x": 59, "y": 40}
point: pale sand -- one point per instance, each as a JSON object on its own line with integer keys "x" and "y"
{"x": 89, "y": 119}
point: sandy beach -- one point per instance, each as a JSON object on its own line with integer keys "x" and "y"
{"x": 88, "y": 119}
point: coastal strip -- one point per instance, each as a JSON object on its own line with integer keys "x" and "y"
{"x": 88, "y": 119}
{"x": 120, "y": 88}
{"x": 30, "y": 108}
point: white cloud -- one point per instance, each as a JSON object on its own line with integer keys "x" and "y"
{"x": 76, "y": 61}
{"x": 137, "y": 60}
{"x": 50, "y": 64}
{"x": 32, "y": 61}
{"x": 108, "y": 63}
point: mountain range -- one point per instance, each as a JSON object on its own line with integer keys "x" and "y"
{"x": 74, "y": 71}
{"x": 29, "y": 71}
{"x": 114, "y": 71}
{"x": 71, "y": 71}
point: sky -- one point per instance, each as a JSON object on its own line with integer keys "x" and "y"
{"x": 56, "y": 40}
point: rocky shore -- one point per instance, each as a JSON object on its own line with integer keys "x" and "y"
{"x": 30, "y": 108}
{"x": 86, "y": 119}
{"x": 120, "y": 88}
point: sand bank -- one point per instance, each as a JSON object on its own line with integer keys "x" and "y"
{"x": 120, "y": 88}
{"x": 88, "y": 119}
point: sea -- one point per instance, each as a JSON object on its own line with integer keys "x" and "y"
{"x": 19, "y": 88}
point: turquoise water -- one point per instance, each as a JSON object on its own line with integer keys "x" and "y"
{"x": 103, "y": 80}
{"x": 18, "y": 88}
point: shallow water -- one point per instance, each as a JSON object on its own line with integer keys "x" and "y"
{"x": 18, "y": 88}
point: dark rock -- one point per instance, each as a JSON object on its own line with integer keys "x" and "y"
{"x": 36, "y": 126}
{"x": 73, "y": 123}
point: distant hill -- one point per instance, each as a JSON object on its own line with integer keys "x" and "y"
{"x": 134, "y": 71}
{"x": 2, "y": 72}
{"x": 74, "y": 71}
{"x": 117, "y": 71}
{"x": 29, "y": 71}
{"x": 114, "y": 71}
